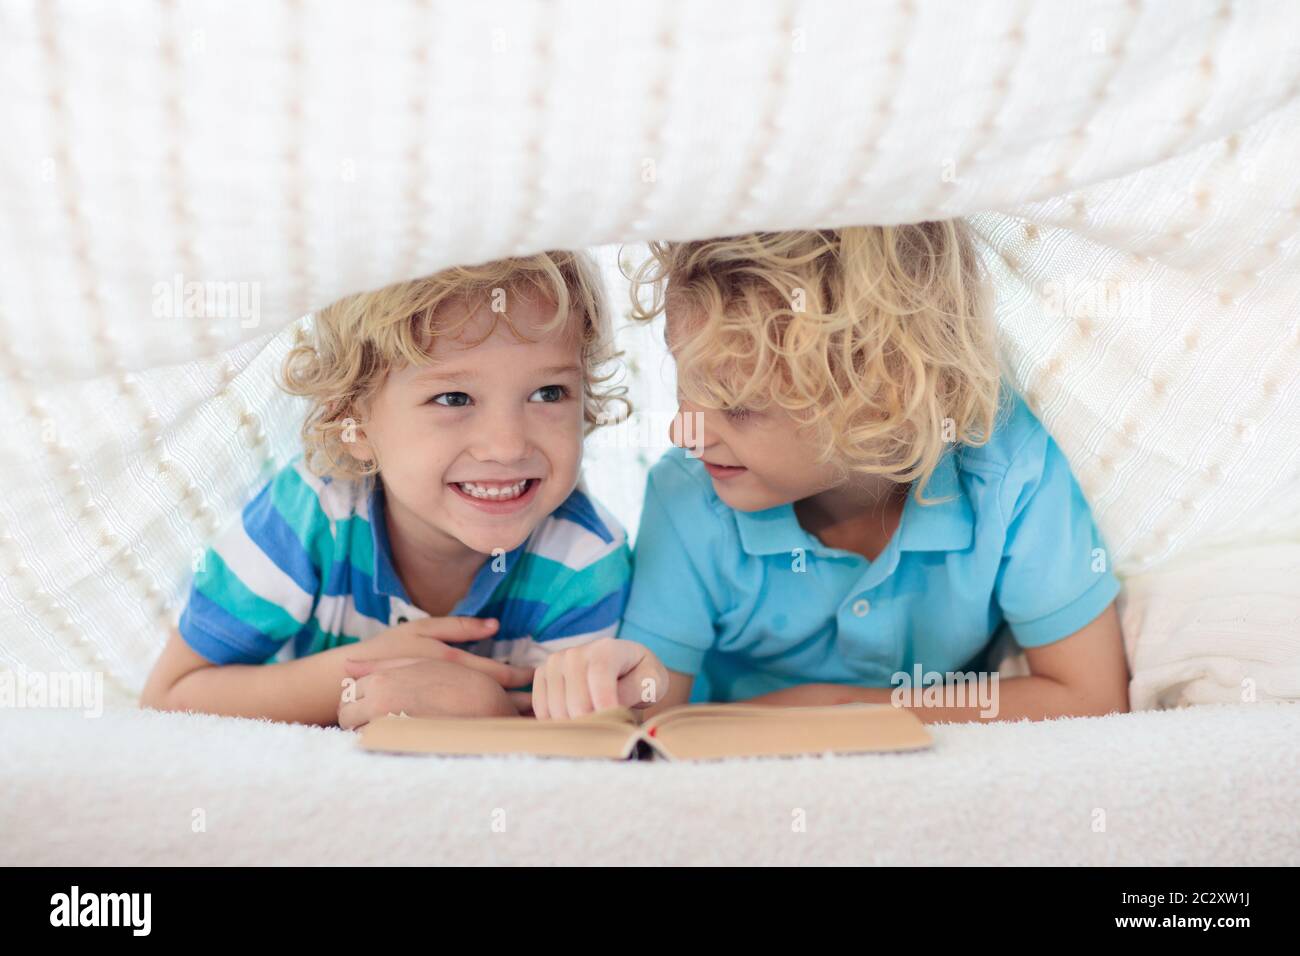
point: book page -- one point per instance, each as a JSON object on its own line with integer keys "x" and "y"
{"x": 712, "y": 731}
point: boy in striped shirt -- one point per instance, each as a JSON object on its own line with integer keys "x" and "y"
{"x": 433, "y": 544}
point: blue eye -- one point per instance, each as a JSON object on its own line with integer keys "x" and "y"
{"x": 454, "y": 399}
{"x": 556, "y": 393}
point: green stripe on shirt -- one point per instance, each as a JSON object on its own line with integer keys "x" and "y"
{"x": 222, "y": 586}
{"x": 298, "y": 504}
{"x": 540, "y": 579}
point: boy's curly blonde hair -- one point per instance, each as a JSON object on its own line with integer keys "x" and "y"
{"x": 355, "y": 342}
{"x": 878, "y": 337}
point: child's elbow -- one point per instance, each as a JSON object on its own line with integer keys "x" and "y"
{"x": 168, "y": 686}
{"x": 164, "y": 691}
{"x": 157, "y": 696}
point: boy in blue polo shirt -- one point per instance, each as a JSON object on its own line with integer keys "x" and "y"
{"x": 433, "y": 543}
{"x": 858, "y": 499}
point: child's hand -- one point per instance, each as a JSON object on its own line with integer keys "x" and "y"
{"x": 423, "y": 688}
{"x": 430, "y": 639}
{"x": 597, "y": 676}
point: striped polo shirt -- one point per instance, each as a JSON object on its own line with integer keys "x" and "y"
{"x": 307, "y": 566}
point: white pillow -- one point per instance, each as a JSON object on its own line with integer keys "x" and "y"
{"x": 1215, "y": 627}
{"x": 1218, "y": 626}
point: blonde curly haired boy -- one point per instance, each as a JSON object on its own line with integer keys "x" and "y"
{"x": 433, "y": 542}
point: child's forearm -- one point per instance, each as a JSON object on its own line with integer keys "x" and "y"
{"x": 1031, "y": 697}
{"x": 1015, "y": 698}
{"x": 304, "y": 691}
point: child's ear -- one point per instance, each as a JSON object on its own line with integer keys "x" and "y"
{"x": 359, "y": 449}
{"x": 351, "y": 433}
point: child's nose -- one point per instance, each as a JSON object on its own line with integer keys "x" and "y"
{"x": 687, "y": 428}
{"x": 503, "y": 438}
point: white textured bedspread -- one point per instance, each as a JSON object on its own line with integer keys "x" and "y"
{"x": 1205, "y": 785}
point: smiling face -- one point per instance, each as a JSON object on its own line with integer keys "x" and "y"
{"x": 757, "y": 459}
{"x": 476, "y": 449}
{"x": 760, "y": 459}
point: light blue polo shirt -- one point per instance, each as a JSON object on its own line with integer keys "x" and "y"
{"x": 750, "y": 602}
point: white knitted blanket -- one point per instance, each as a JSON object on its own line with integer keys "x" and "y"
{"x": 1130, "y": 167}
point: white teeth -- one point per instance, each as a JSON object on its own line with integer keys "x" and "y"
{"x": 495, "y": 493}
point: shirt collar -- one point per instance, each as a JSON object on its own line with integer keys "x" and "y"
{"x": 383, "y": 578}
{"x": 949, "y": 526}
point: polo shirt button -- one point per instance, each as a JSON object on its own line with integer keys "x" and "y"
{"x": 861, "y": 607}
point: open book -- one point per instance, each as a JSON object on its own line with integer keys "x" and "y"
{"x": 699, "y": 732}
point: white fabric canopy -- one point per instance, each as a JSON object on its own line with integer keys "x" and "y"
{"x": 1130, "y": 167}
